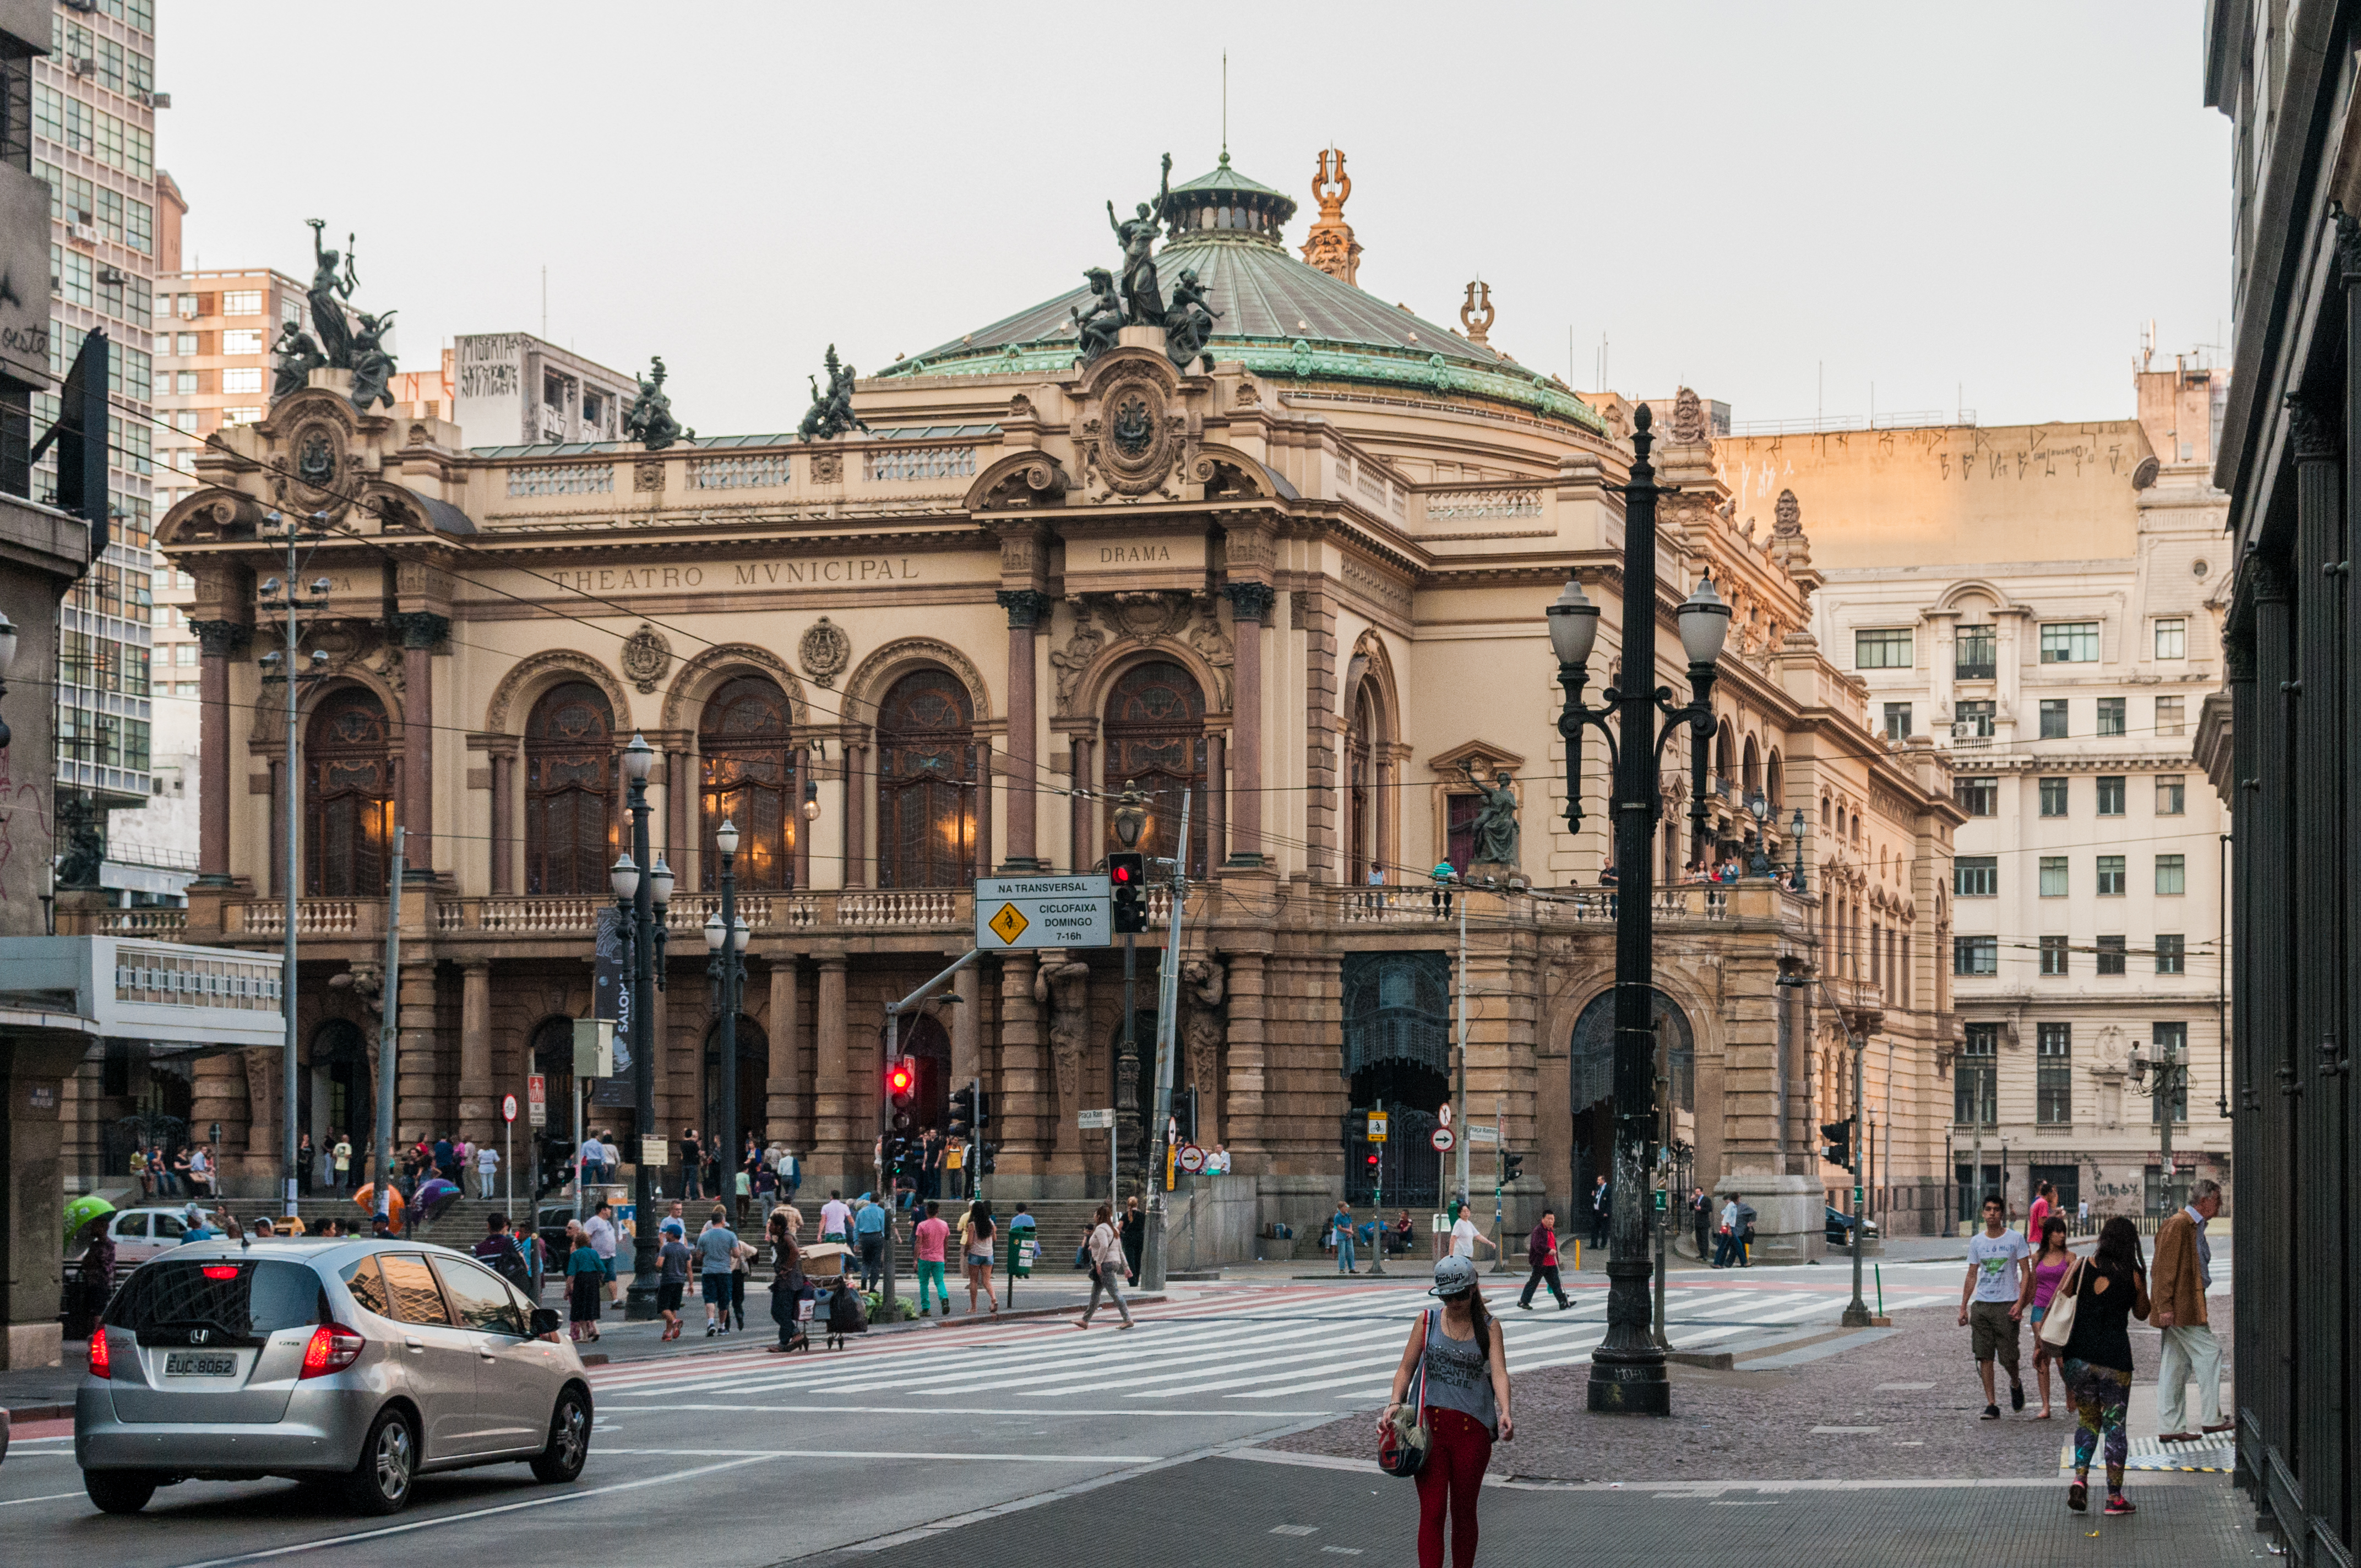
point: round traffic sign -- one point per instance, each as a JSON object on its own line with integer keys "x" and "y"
{"x": 1441, "y": 1140}
{"x": 508, "y": 1107}
{"x": 1443, "y": 1115}
{"x": 1192, "y": 1158}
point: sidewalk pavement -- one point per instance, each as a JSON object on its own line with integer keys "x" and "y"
{"x": 1229, "y": 1510}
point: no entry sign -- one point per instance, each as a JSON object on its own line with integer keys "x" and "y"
{"x": 508, "y": 1107}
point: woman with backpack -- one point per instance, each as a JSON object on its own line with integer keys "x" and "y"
{"x": 1104, "y": 1252}
{"x": 1457, "y": 1360}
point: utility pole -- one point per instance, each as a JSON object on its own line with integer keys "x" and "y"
{"x": 1459, "y": 1094}
{"x": 387, "y": 1037}
{"x": 1167, "y": 1003}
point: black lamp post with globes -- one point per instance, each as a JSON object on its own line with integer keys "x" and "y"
{"x": 1627, "y": 1370}
{"x": 642, "y": 903}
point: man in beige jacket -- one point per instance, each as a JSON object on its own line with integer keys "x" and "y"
{"x": 2184, "y": 1269}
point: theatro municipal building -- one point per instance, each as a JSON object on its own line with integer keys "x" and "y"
{"x": 1219, "y": 522}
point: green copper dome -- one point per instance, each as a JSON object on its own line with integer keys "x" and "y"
{"x": 1280, "y": 316}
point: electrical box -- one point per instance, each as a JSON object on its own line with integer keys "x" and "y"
{"x": 594, "y": 1048}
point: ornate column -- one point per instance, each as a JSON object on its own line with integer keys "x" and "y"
{"x": 1250, "y": 605}
{"x": 503, "y": 845}
{"x": 1027, "y": 1098}
{"x": 1082, "y": 815}
{"x": 1246, "y": 1082}
{"x": 784, "y": 1033}
{"x": 217, "y": 640}
{"x": 856, "y": 824}
{"x": 476, "y": 1118}
{"x": 834, "y": 1133}
{"x": 1027, "y": 607}
{"x": 983, "y": 807}
{"x": 419, "y": 630}
{"x": 417, "y": 1111}
{"x": 1217, "y": 795}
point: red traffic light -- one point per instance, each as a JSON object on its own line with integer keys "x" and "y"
{"x": 899, "y": 1079}
{"x": 1373, "y": 1160}
{"x": 1119, "y": 872}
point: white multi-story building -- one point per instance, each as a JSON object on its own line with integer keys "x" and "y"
{"x": 2043, "y": 601}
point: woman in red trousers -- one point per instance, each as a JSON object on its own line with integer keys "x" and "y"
{"x": 1466, "y": 1408}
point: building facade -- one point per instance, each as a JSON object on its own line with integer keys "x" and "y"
{"x": 1296, "y": 579}
{"x": 2286, "y": 751}
{"x": 2044, "y": 603}
{"x": 93, "y": 143}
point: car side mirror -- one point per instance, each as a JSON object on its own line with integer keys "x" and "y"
{"x": 546, "y": 1320}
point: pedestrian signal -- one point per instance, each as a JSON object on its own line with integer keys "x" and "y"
{"x": 963, "y": 1112}
{"x": 1127, "y": 876}
{"x": 1838, "y": 1149}
{"x": 1510, "y": 1164}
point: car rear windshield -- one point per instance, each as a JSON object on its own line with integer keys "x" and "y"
{"x": 242, "y": 1297}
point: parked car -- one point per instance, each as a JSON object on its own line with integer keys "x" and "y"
{"x": 141, "y": 1233}
{"x": 1839, "y": 1227}
{"x": 366, "y": 1362}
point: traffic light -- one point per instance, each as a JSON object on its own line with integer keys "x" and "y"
{"x": 1184, "y": 1111}
{"x": 902, "y": 1092}
{"x": 1510, "y": 1164}
{"x": 982, "y": 1109}
{"x": 986, "y": 1158}
{"x": 1838, "y": 1151}
{"x": 1128, "y": 872}
{"x": 963, "y": 1112}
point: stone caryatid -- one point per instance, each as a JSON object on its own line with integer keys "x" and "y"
{"x": 1207, "y": 982}
{"x": 372, "y": 366}
{"x": 1494, "y": 829}
{"x": 1143, "y": 301}
{"x": 298, "y": 357}
{"x": 1063, "y": 985}
{"x": 649, "y": 420}
{"x": 1096, "y": 328}
{"x": 830, "y": 414}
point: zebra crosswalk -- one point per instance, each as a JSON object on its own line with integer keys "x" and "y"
{"x": 1238, "y": 1348}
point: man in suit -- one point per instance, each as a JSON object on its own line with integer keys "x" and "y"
{"x": 1602, "y": 1213}
{"x": 2184, "y": 1269}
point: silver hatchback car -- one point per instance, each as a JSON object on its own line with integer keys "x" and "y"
{"x": 364, "y": 1362}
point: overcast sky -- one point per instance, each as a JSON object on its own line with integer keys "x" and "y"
{"x": 1977, "y": 204}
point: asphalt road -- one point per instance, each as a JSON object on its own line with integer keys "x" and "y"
{"x": 739, "y": 1457}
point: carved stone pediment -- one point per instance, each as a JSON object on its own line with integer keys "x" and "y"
{"x": 1134, "y": 435}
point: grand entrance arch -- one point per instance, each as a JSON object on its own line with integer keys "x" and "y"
{"x": 1397, "y": 1010}
{"x": 1591, "y": 1090}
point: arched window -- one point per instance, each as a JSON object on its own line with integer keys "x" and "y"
{"x": 1774, "y": 781}
{"x": 1725, "y": 759}
{"x": 348, "y": 789}
{"x": 1752, "y": 770}
{"x": 1155, "y": 738}
{"x": 552, "y": 1046}
{"x": 926, "y": 783}
{"x": 749, "y": 765}
{"x": 1363, "y": 853}
{"x": 569, "y": 791}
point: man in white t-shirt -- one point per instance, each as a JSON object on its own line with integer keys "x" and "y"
{"x": 1999, "y": 1265}
{"x": 1464, "y": 1235}
{"x": 835, "y": 1219}
{"x": 488, "y": 1166}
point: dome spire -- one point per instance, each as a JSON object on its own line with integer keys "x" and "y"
{"x": 1330, "y": 246}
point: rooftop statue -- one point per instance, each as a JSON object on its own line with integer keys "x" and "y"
{"x": 649, "y": 419}
{"x": 1097, "y": 330}
{"x": 1189, "y": 324}
{"x": 329, "y": 290}
{"x": 1143, "y": 301}
{"x": 372, "y": 366}
{"x": 831, "y": 414}
{"x": 298, "y": 357}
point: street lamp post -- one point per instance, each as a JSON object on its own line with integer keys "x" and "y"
{"x": 2162, "y": 1074}
{"x": 1627, "y": 1370}
{"x": 285, "y": 666}
{"x": 647, "y": 898}
{"x": 725, "y": 940}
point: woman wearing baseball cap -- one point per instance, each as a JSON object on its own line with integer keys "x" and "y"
{"x": 1465, "y": 1405}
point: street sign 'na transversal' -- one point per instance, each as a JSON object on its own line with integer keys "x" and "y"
{"x": 1016, "y": 913}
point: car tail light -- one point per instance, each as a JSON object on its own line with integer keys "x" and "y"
{"x": 102, "y": 1360}
{"x": 331, "y": 1348}
{"x": 221, "y": 1271}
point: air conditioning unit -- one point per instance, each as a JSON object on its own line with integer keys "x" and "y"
{"x": 85, "y": 233}
{"x": 1961, "y": 729}
{"x": 81, "y": 5}
{"x": 85, "y": 66}
{"x": 157, "y": 100}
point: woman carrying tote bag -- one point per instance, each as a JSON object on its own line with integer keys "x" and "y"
{"x": 1457, "y": 1360}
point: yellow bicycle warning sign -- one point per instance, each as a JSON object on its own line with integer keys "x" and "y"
{"x": 1009, "y": 924}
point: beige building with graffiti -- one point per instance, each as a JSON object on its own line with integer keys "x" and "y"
{"x": 1298, "y": 578}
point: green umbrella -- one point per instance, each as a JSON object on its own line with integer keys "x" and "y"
{"x": 82, "y": 1211}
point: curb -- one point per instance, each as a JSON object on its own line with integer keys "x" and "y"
{"x": 37, "y": 1412}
